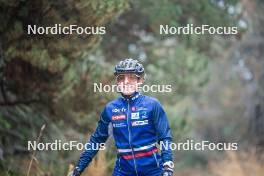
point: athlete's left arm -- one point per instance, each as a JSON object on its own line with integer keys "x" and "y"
{"x": 163, "y": 132}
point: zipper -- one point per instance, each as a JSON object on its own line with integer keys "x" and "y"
{"x": 156, "y": 159}
{"x": 129, "y": 137}
{"x": 119, "y": 164}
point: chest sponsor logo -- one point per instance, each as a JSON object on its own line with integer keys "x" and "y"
{"x": 135, "y": 115}
{"x": 118, "y": 125}
{"x": 119, "y": 117}
{"x": 140, "y": 123}
{"x": 119, "y": 110}
{"x": 142, "y": 109}
{"x": 144, "y": 114}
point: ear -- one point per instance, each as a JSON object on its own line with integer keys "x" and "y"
{"x": 140, "y": 80}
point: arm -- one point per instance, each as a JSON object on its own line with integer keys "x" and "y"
{"x": 99, "y": 136}
{"x": 164, "y": 136}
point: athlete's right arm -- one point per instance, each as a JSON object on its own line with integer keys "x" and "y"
{"x": 99, "y": 136}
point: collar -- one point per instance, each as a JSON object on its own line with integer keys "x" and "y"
{"x": 132, "y": 97}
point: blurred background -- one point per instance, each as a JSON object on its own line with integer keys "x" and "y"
{"x": 217, "y": 80}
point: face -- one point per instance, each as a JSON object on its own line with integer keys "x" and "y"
{"x": 128, "y": 83}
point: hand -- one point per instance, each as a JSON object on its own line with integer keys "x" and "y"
{"x": 75, "y": 172}
{"x": 167, "y": 171}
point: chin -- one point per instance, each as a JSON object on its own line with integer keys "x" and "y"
{"x": 128, "y": 93}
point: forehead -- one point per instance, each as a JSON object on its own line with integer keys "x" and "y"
{"x": 127, "y": 74}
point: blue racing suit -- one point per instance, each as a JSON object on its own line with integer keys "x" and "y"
{"x": 138, "y": 122}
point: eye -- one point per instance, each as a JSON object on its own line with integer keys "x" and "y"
{"x": 133, "y": 77}
{"x": 120, "y": 78}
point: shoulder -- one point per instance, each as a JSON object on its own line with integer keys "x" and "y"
{"x": 109, "y": 107}
{"x": 151, "y": 100}
{"x": 116, "y": 102}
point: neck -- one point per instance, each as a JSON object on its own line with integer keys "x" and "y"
{"x": 130, "y": 97}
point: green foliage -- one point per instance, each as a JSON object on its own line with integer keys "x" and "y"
{"x": 52, "y": 53}
{"x": 180, "y": 122}
{"x": 184, "y": 69}
{"x": 59, "y": 71}
{"x": 180, "y": 12}
{"x": 4, "y": 123}
{"x": 52, "y": 73}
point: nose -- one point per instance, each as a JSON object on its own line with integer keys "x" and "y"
{"x": 126, "y": 80}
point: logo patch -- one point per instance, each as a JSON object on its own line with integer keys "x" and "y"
{"x": 119, "y": 117}
{"x": 134, "y": 108}
{"x": 135, "y": 115}
{"x": 142, "y": 108}
{"x": 144, "y": 114}
{"x": 119, "y": 110}
{"x": 140, "y": 123}
{"x": 118, "y": 125}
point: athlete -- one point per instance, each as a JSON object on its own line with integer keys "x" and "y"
{"x": 139, "y": 123}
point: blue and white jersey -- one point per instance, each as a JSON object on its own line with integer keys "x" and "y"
{"x": 139, "y": 123}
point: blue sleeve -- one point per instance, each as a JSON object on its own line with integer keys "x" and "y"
{"x": 163, "y": 132}
{"x": 99, "y": 136}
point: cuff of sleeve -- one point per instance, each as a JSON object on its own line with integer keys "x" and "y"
{"x": 169, "y": 164}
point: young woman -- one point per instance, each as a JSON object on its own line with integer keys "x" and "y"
{"x": 139, "y": 122}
